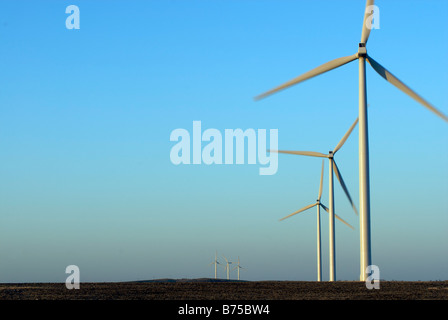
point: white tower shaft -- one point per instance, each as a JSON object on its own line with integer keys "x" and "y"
{"x": 364, "y": 183}
{"x": 319, "y": 256}
{"x": 331, "y": 224}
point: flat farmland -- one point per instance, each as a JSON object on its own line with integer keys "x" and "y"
{"x": 208, "y": 289}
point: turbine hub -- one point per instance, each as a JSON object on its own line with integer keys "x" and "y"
{"x": 362, "y": 51}
{"x": 330, "y": 154}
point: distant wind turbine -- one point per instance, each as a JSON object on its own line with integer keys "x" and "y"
{"x": 333, "y": 168}
{"x": 364, "y": 181}
{"x": 318, "y": 204}
{"x": 227, "y": 267}
{"x": 238, "y": 267}
{"x": 215, "y": 263}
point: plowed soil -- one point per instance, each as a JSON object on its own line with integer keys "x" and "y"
{"x": 223, "y": 290}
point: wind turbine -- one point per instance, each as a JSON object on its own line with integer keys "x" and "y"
{"x": 215, "y": 263}
{"x": 319, "y": 204}
{"x": 238, "y": 267}
{"x": 333, "y": 168}
{"x": 364, "y": 182}
{"x": 227, "y": 267}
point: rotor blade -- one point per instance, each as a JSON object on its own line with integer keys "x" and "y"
{"x": 310, "y": 74}
{"x": 337, "y": 217}
{"x": 343, "y": 221}
{"x": 400, "y": 85}
{"x": 225, "y": 258}
{"x": 345, "y": 137}
{"x": 347, "y": 134}
{"x": 302, "y": 153}
{"x": 321, "y": 181}
{"x": 325, "y": 208}
{"x": 365, "y": 29}
{"x": 341, "y": 181}
{"x": 298, "y": 211}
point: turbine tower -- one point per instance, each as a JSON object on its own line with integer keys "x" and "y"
{"x": 364, "y": 182}
{"x": 319, "y": 204}
{"x": 333, "y": 168}
{"x": 227, "y": 267}
{"x": 238, "y": 267}
{"x": 215, "y": 263}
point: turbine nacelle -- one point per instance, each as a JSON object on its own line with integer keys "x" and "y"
{"x": 362, "y": 51}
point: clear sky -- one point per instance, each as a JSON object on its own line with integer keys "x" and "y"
{"x": 86, "y": 117}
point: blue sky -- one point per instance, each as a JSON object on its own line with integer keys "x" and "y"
{"x": 86, "y": 116}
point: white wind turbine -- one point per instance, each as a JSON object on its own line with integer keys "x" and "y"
{"x": 333, "y": 168}
{"x": 227, "y": 267}
{"x": 319, "y": 204}
{"x": 364, "y": 182}
{"x": 238, "y": 267}
{"x": 215, "y": 263}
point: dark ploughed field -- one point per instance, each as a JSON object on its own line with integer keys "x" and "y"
{"x": 206, "y": 289}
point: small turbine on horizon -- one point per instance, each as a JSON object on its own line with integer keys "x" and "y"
{"x": 227, "y": 267}
{"x": 215, "y": 262}
{"x": 238, "y": 267}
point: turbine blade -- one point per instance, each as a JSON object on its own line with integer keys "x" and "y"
{"x": 321, "y": 181}
{"x": 344, "y": 187}
{"x": 337, "y": 217}
{"x": 302, "y": 153}
{"x": 310, "y": 74}
{"x": 298, "y": 211}
{"x": 365, "y": 29}
{"x": 345, "y": 222}
{"x": 345, "y": 137}
{"x": 400, "y": 85}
